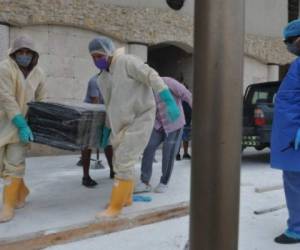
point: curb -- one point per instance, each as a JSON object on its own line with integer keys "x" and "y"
{"x": 43, "y": 239}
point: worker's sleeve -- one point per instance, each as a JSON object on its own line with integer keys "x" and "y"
{"x": 41, "y": 91}
{"x": 8, "y": 101}
{"x": 93, "y": 89}
{"x": 180, "y": 91}
{"x": 142, "y": 73}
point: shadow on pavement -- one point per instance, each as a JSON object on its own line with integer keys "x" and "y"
{"x": 256, "y": 157}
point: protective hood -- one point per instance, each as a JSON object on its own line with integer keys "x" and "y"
{"x": 24, "y": 41}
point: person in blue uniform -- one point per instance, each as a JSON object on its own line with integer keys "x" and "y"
{"x": 285, "y": 141}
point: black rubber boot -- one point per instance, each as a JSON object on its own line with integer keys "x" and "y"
{"x": 88, "y": 182}
{"x": 284, "y": 239}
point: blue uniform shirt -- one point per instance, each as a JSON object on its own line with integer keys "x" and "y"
{"x": 286, "y": 121}
{"x": 93, "y": 91}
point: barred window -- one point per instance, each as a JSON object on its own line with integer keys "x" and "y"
{"x": 293, "y": 9}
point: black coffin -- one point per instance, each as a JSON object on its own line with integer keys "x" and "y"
{"x": 66, "y": 126}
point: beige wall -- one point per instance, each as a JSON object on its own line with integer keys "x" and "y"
{"x": 255, "y": 72}
{"x": 266, "y": 17}
{"x": 4, "y": 41}
{"x": 187, "y": 9}
{"x": 64, "y": 57}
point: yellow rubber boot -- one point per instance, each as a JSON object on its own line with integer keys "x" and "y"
{"x": 128, "y": 201}
{"x": 23, "y": 193}
{"x": 10, "y": 197}
{"x": 119, "y": 195}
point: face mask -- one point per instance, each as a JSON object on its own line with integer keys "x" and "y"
{"x": 102, "y": 63}
{"x": 291, "y": 47}
{"x": 23, "y": 60}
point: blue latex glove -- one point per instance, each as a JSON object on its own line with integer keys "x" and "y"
{"x": 25, "y": 133}
{"x": 173, "y": 111}
{"x": 297, "y": 140}
{"x": 141, "y": 198}
{"x": 105, "y": 136}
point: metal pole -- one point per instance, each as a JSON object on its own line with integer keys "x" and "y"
{"x": 217, "y": 109}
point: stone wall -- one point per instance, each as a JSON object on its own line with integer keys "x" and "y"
{"x": 128, "y": 24}
{"x": 148, "y": 25}
{"x": 64, "y": 57}
{"x": 4, "y": 38}
{"x": 268, "y": 50}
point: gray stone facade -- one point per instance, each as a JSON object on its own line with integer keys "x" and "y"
{"x": 148, "y": 25}
{"x": 4, "y": 38}
{"x": 127, "y": 24}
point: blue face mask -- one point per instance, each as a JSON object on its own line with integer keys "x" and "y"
{"x": 102, "y": 63}
{"x": 23, "y": 60}
{"x": 293, "y": 48}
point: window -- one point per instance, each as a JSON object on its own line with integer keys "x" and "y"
{"x": 264, "y": 95}
{"x": 293, "y": 9}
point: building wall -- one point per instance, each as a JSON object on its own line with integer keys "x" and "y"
{"x": 255, "y": 71}
{"x": 63, "y": 29}
{"x": 187, "y": 8}
{"x": 126, "y": 23}
{"x": 266, "y": 17}
{"x": 64, "y": 57}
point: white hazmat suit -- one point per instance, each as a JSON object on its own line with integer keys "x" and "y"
{"x": 130, "y": 105}
{"x": 18, "y": 86}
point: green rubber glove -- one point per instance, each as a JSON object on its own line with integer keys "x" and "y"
{"x": 25, "y": 133}
{"x": 105, "y": 137}
{"x": 173, "y": 111}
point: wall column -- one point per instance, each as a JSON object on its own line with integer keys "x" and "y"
{"x": 217, "y": 120}
{"x": 138, "y": 49}
{"x": 4, "y": 38}
{"x": 273, "y": 72}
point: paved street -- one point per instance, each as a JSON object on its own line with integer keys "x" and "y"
{"x": 58, "y": 200}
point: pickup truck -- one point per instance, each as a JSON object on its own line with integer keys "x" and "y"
{"x": 258, "y": 107}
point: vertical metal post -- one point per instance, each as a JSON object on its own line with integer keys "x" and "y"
{"x": 217, "y": 113}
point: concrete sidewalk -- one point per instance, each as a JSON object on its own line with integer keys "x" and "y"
{"x": 256, "y": 231}
{"x": 58, "y": 200}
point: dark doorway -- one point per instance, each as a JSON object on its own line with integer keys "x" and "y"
{"x": 170, "y": 60}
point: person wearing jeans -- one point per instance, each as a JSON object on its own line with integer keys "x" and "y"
{"x": 166, "y": 132}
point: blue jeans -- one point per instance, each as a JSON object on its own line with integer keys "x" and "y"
{"x": 291, "y": 182}
{"x": 171, "y": 143}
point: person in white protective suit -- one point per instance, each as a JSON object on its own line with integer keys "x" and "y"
{"x": 127, "y": 86}
{"x": 21, "y": 81}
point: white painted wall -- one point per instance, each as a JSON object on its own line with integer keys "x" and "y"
{"x": 255, "y": 71}
{"x": 64, "y": 57}
{"x": 138, "y": 50}
{"x": 266, "y": 17}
